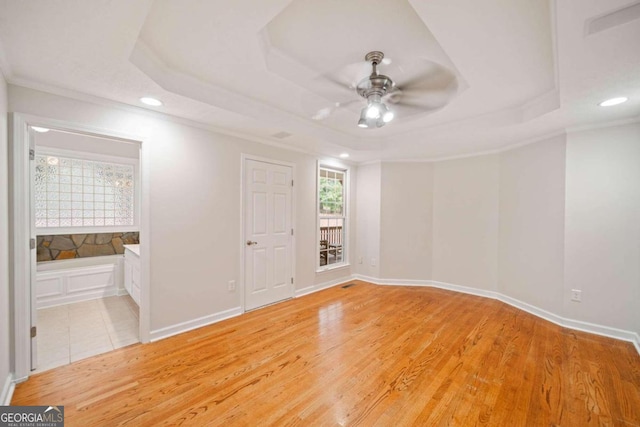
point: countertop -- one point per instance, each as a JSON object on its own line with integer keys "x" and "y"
{"x": 133, "y": 248}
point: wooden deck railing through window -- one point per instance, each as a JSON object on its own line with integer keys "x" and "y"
{"x": 330, "y": 245}
{"x": 333, "y": 235}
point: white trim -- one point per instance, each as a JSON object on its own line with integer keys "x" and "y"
{"x": 228, "y": 314}
{"x": 7, "y": 390}
{"x": 513, "y": 146}
{"x": 270, "y": 141}
{"x": 150, "y": 112}
{"x": 320, "y": 286}
{"x": 243, "y": 160}
{"x": 190, "y": 325}
{"x": 21, "y": 229}
{"x": 603, "y": 125}
{"x": 326, "y": 269}
{"x": 110, "y": 229}
{"x": 463, "y": 289}
{"x": 579, "y": 325}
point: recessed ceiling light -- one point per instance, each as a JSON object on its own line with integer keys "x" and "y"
{"x": 39, "y": 129}
{"x": 344, "y": 155}
{"x": 613, "y": 101}
{"x": 151, "y": 101}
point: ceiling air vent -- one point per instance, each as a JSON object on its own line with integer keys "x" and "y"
{"x": 281, "y": 135}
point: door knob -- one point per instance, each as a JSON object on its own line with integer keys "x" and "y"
{"x": 249, "y": 243}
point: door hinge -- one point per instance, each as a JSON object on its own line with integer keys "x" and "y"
{"x": 292, "y": 183}
{"x": 33, "y": 332}
{"x": 292, "y": 231}
{"x": 292, "y": 280}
{"x": 32, "y": 154}
{"x": 32, "y": 243}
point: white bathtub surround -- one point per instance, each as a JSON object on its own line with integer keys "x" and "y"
{"x": 80, "y": 279}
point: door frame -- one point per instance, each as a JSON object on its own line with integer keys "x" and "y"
{"x": 22, "y": 279}
{"x": 243, "y": 186}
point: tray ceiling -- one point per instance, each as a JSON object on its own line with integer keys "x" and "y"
{"x": 525, "y": 69}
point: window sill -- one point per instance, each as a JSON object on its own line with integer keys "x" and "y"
{"x": 86, "y": 230}
{"x": 331, "y": 268}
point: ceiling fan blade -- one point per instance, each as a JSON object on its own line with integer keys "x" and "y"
{"x": 425, "y": 105}
{"x": 428, "y": 92}
{"x": 325, "y": 112}
{"x": 337, "y": 83}
{"x": 409, "y": 104}
{"x": 428, "y": 100}
{"x": 430, "y": 75}
{"x": 348, "y": 76}
{"x": 406, "y": 110}
{"x": 442, "y": 87}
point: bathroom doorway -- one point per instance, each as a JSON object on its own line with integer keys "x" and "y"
{"x": 81, "y": 191}
{"x": 85, "y": 204}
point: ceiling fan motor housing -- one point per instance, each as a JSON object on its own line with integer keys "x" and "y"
{"x": 375, "y": 84}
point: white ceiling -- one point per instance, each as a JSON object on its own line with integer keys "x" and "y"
{"x": 525, "y": 68}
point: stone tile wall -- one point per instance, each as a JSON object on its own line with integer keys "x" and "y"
{"x": 67, "y": 246}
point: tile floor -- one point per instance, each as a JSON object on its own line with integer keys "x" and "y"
{"x": 71, "y": 332}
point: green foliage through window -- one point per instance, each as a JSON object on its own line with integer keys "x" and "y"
{"x": 331, "y": 192}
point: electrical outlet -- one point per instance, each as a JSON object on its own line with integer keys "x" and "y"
{"x": 576, "y": 295}
{"x": 232, "y": 285}
{"x": 360, "y": 260}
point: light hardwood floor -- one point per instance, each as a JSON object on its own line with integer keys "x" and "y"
{"x": 365, "y": 355}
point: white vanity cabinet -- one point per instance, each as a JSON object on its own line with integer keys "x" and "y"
{"x": 132, "y": 271}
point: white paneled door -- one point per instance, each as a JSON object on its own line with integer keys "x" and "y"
{"x": 268, "y": 233}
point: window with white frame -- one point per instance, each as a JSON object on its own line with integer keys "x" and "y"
{"x": 78, "y": 192}
{"x": 332, "y": 216}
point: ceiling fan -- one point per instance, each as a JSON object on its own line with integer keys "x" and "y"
{"x": 373, "y": 88}
{"x": 429, "y": 90}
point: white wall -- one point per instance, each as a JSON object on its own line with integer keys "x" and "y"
{"x": 602, "y": 249}
{"x": 195, "y": 193}
{"x": 507, "y": 223}
{"x": 531, "y": 232}
{"x": 406, "y": 220}
{"x": 5, "y": 323}
{"x": 85, "y": 143}
{"x": 368, "y": 220}
{"x": 465, "y": 221}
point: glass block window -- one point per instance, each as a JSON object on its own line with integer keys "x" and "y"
{"x": 83, "y": 193}
{"x": 332, "y": 218}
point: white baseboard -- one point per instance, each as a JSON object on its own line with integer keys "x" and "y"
{"x": 179, "y": 328}
{"x": 579, "y": 325}
{"x": 7, "y": 391}
{"x": 320, "y": 286}
{"x": 607, "y": 331}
